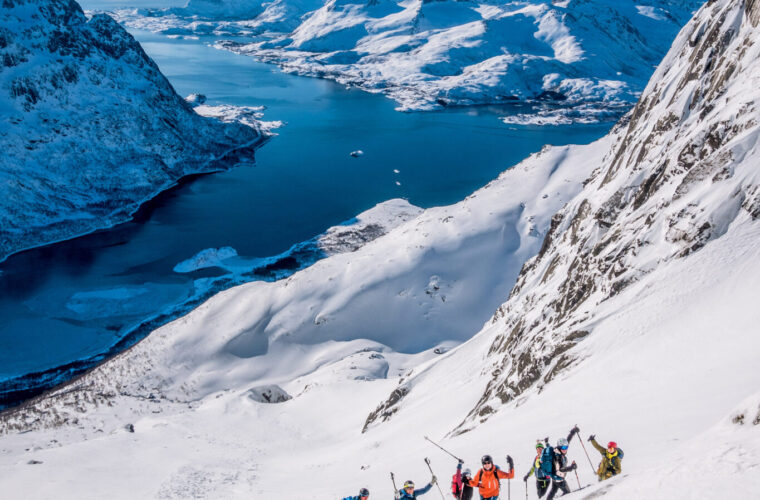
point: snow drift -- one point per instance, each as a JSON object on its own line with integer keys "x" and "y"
{"x": 90, "y": 127}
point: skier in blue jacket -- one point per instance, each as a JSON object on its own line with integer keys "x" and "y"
{"x": 408, "y": 492}
{"x": 363, "y": 495}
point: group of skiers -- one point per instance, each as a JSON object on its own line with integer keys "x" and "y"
{"x": 550, "y": 467}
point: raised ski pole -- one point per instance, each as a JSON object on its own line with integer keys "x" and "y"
{"x": 395, "y": 490}
{"x": 444, "y": 449}
{"x": 427, "y": 461}
{"x": 584, "y": 451}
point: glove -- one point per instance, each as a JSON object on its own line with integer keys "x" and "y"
{"x": 573, "y": 466}
{"x": 461, "y": 463}
{"x": 575, "y": 430}
{"x": 397, "y": 496}
{"x": 591, "y": 437}
{"x": 525, "y": 478}
{"x": 434, "y": 480}
{"x": 510, "y": 462}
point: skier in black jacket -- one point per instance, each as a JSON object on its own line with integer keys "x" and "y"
{"x": 560, "y": 467}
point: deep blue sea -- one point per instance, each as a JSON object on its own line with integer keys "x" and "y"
{"x": 76, "y": 300}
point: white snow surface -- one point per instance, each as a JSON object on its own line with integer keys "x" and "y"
{"x": 89, "y": 127}
{"x": 634, "y": 318}
{"x": 590, "y": 56}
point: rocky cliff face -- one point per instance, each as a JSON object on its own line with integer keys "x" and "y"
{"x": 681, "y": 170}
{"x": 676, "y": 178}
{"x": 90, "y": 127}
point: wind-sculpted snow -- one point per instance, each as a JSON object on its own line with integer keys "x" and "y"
{"x": 578, "y": 61}
{"x": 90, "y": 127}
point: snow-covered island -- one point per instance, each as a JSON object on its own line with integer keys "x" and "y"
{"x": 633, "y": 269}
{"x": 572, "y": 60}
{"x": 90, "y": 128}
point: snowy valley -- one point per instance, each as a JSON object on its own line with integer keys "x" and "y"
{"x": 632, "y": 265}
{"x": 562, "y": 61}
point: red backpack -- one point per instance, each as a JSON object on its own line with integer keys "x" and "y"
{"x": 456, "y": 485}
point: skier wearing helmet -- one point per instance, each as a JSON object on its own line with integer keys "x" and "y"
{"x": 408, "y": 492}
{"x": 612, "y": 459}
{"x": 559, "y": 465}
{"x": 363, "y": 495}
{"x": 542, "y": 479}
{"x": 487, "y": 478}
{"x": 460, "y": 487}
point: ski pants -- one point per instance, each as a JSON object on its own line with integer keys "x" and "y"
{"x": 558, "y": 485}
{"x": 605, "y": 471}
{"x": 541, "y": 486}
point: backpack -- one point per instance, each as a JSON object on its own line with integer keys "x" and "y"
{"x": 455, "y": 489}
{"x": 547, "y": 463}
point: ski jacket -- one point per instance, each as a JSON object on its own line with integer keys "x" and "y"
{"x": 487, "y": 482}
{"x": 613, "y": 461}
{"x": 352, "y": 498}
{"x": 560, "y": 467}
{"x": 459, "y": 489}
{"x": 537, "y": 467}
{"x": 421, "y": 491}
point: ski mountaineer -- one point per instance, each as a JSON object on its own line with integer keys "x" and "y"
{"x": 612, "y": 457}
{"x": 409, "y": 492}
{"x": 363, "y": 495}
{"x": 559, "y": 465}
{"x": 459, "y": 486}
{"x": 542, "y": 479}
{"x": 487, "y": 478}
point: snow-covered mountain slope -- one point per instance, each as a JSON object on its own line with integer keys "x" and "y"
{"x": 90, "y": 127}
{"x": 664, "y": 362}
{"x": 594, "y": 56}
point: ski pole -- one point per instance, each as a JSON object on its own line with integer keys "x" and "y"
{"x": 427, "y": 461}
{"x": 395, "y": 490}
{"x": 576, "y": 477}
{"x": 442, "y": 448}
{"x": 584, "y": 451}
{"x": 526, "y": 490}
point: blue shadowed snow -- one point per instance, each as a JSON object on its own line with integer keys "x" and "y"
{"x": 69, "y": 304}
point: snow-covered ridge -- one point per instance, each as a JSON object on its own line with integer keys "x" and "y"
{"x": 90, "y": 127}
{"x": 681, "y": 173}
{"x": 592, "y": 56}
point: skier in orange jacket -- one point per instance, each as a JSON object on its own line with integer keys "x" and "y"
{"x": 487, "y": 478}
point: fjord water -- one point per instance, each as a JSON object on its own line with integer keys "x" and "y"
{"x": 77, "y": 299}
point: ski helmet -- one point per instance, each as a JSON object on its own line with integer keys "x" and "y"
{"x": 539, "y": 445}
{"x": 612, "y": 444}
{"x": 486, "y": 459}
{"x": 409, "y": 484}
{"x": 364, "y": 492}
{"x": 467, "y": 473}
{"x": 562, "y": 442}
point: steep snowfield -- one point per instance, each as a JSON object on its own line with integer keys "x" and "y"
{"x": 592, "y": 56}
{"x": 90, "y": 128}
{"x": 635, "y": 318}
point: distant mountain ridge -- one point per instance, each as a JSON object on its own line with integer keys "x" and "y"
{"x": 90, "y": 127}
{"x": 589, "y": 58}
